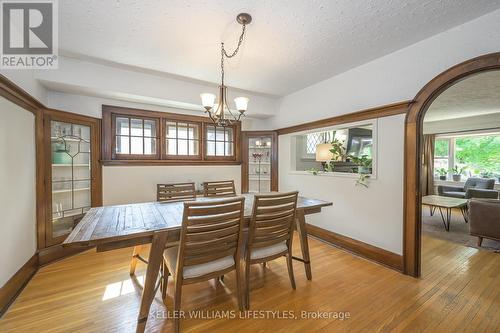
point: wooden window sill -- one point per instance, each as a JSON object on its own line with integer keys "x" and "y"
{"x": 167, "y": 162}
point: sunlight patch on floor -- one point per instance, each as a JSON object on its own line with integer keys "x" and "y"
{"x": 122, "y": 288}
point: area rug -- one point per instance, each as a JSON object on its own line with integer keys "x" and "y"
{"x": 459, "y": 230}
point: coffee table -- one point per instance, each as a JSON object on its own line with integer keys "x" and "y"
{"x": 437, "y": 201}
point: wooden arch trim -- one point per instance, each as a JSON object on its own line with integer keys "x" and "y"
{"x": 412, "y": 158}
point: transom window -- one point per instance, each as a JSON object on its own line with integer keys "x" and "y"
{"x": 219, "y": 141}
{"x": 135, "y": 136}
{"x": 182, "y": 139}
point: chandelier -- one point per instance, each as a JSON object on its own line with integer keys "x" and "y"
{"x": 219, "y": 112}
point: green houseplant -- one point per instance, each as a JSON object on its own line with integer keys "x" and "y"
{"x": 442, "y": 173}
{"x": 457, "y": 173}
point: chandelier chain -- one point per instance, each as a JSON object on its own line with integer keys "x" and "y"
{"x": 225, "y": 54}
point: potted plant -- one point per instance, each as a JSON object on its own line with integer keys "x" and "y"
{"x": 337, "y": 151}
{"x": 364, "y": 163}
{"x": 456, "y": 173}
{"x": 487, "y": 174}
{"x": 442, "y": 173}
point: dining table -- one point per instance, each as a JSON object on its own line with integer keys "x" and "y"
{"x": 158, "y": 223}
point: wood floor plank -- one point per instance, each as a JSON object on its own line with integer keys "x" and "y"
{"x": 93, "y": 292}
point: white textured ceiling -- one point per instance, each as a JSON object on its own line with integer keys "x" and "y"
{"x": 290, "y": 44}
{"x": 474, "y": 96}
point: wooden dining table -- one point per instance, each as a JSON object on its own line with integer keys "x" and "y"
{"x": 156, "y": 223}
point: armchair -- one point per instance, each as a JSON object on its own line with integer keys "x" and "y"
{"x": 484, "y": 219}
{"x": 473, "y": 188}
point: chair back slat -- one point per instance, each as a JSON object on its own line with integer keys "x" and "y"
{"x": 272, "y": 219}
{"x": 175, "y": 192}
{"x": 219, "y": 188}
{"x": 211, "y": 230}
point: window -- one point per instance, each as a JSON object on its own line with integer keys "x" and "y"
{"x": 150, "y": 138}
{"x": 313, "y": 139}
{"x": 355, "y": 152}
{"x": 442, "y": 154}
{"x": 219, "y": 141}
{"x": 182, "y": 139}
{"x": 135, "y": 137}
{"x": 477, "y": 154}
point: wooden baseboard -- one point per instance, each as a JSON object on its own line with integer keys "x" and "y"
{"x": 16, "y": 283}
{"x": 57, "y": 252}
{"x": 373, "y": 253}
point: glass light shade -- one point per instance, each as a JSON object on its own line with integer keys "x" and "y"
{"x": 323, "y": 153}
{"x": 241, "y": 103}
{"x": 207, "y": 100}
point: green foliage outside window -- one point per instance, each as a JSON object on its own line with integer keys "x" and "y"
{"x": 480, "y": 154}
{"x": 441, "y": 148}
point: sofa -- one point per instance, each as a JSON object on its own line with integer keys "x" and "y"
{"x": 484, "y": 219}
{"x": 473, "y": 188}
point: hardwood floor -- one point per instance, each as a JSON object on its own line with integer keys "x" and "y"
{"x": 93, "y": 292}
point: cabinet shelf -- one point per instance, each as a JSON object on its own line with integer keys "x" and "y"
{"x": 53, "y": 138}
{"x": 69, "y": 190}
{"x": 69, "y": 165}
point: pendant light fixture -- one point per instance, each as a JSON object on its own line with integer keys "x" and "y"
{"x": 219, "y": 110}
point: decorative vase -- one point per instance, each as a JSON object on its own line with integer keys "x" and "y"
{"x": 456, "y": 178}
{"x": 442, "y": 177}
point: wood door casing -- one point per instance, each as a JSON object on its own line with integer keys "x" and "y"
{"x": 48, "y": 115}
{"x": 246, "y": 135}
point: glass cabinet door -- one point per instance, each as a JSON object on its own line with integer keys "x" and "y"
{"x": 259, "y": 164}
{"x": 71, "y": 176}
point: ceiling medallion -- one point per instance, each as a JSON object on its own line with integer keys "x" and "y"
{"x": 219, "y": 111}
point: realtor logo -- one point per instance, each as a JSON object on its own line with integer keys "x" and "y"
{"x": 29, "y": 34}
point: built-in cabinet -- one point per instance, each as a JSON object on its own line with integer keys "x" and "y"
{"x": 72, "y": 171}
{"x": 259, "y": 170}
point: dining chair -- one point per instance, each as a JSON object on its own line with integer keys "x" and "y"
{"x": 165, "y": 193}
{"x": 210, "y": 246}
{"x": 175, "y": 192}
{"x": 270, "y": 233}
{"x": 223, "y": 188}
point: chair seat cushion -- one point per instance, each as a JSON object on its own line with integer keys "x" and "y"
{"x": 262, "y": 252}
{"x": 170, "y": 256}
{"x": 455, "y": 194}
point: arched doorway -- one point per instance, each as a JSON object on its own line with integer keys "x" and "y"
{"x": 412, "y": 159}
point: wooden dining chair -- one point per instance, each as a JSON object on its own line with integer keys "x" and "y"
{"x": 223, "y": 188}
{"x": 175, "y": 192}
{"x": 270, "y": 233}
{"x": 165, "y": 193}
{"x": 210, "y": 246}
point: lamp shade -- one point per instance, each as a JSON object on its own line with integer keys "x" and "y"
{"x": 323, "y": 153}
{"x": 207, "y": 100}
{"x": 241, "y": 103}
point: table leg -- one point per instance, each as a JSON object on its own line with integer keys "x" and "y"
{"x": 446, "y": 221}
{"x": 304, "y": 244}
{"x": 463, "y": 209}
{"x": 148, "y": 293}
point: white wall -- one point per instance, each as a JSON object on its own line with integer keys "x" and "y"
{"x": 17, "y": 189}
{"x": 488, "y": 121}
{"x": 124, "y": 184}
{"x": 92, "y": 106}
{"x": 371, "y": 215}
